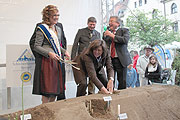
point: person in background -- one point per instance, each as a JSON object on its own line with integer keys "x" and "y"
{"x": 117, "y": 39}
{"x": 48, "y": 78}
{"x": 135, "y": 58}
{"x": 91, "y": 63}
{"x": 82, "y": 40}
{"x": 131, "y": 76}
{"x": 153, "y": 70}
{"x": 142, "y": 62}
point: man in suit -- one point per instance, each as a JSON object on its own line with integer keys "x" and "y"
{"x": 63, "y": 44}
{"x": 82, "y": 40}
{"x": 117, "y": 39}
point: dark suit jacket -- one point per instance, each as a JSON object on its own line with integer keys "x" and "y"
{"x": 82, "y": 40}
{"x": 121, "y": 42}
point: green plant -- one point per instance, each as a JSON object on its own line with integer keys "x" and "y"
{"x": 14, "y": 118}
{"x": 23, "y": 99}
{"x": 147, "y": 30}
{"x": 176, "y": 66}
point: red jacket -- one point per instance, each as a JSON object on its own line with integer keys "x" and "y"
{"x": 135, "y": 58}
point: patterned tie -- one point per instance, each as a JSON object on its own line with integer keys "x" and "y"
{"x": 113, "y": 47}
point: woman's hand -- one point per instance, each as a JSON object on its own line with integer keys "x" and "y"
{"x": 104, "y": 90}
{"x": 110, "y": 86}
{"x": 67, "y": 55}
{"x": 54, "y": 56}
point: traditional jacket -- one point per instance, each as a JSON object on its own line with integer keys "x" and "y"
{"x": 42, "y": 47}
{"x": 82, "y": 40}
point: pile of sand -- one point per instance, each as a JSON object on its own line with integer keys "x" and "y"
{"x": 157, "y": 102}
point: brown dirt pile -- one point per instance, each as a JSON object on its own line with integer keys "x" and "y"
{"x": 156, "y": 102}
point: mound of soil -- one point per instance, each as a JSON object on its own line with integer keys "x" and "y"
{"x": 156, "y": 102}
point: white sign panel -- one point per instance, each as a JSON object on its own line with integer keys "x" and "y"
{"x": 26, "y": 117}
{"x": 20, "y": 64}
{"x": 108, "y": 98}
{"x": 123, "y": 116}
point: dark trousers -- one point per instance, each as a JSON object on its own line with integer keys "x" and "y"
{"x": 62, "y": 96}
{"x": 121, "y": 73}
{"x": 137, "y": 82}
{"x": 81, "y": 88}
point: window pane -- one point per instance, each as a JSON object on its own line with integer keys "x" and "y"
{"x": 175, "y": 27}
{"x": 140, "y": 2}
{"x": 135, "y": 5}
{"x": 145, "y": 1}
{"x": 173, "y": 8}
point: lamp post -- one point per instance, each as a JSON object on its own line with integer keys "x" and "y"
{"x": 164, "y": 4}
{"x": 107, "y": 7}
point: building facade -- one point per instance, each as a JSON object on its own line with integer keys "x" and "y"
{"x": 169, "y": 8}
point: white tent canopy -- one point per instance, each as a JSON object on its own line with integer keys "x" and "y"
{"x": 173, "y": 45}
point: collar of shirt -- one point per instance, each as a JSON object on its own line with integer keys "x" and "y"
{"x": 98, "y": 59}
{"x": 146, "y": 58}
{"x": 114, "y": 31}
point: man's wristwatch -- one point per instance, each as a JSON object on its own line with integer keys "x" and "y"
{"x": 111, "y": 78}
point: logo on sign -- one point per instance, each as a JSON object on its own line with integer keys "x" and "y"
{"x": 26, "y": 56}
{"x": 26, "y": 76}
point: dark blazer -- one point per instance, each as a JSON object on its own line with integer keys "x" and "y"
{"x": 82, "y": 40}
{"x": 121, "y": 42}
{"x": 90, "y": 67}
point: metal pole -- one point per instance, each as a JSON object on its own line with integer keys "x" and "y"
{"x": 113, "y": 7}
{"x": 2, "y": 65}
{"x": 9, "y": 97}
{"x": 107, "y": 10}
{"x": 164, "y": 4}
{"x": 102, "y": 12}
{"x": 165, "y": 15}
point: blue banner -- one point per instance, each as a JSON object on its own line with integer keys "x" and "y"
{"x": 168, "y": 54}
{"x": 159, "y": 52}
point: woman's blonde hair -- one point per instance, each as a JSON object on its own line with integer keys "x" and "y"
{"x": 47, "y": 12}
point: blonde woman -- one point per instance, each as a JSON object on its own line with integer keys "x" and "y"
{"x": 48, "y": 80}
